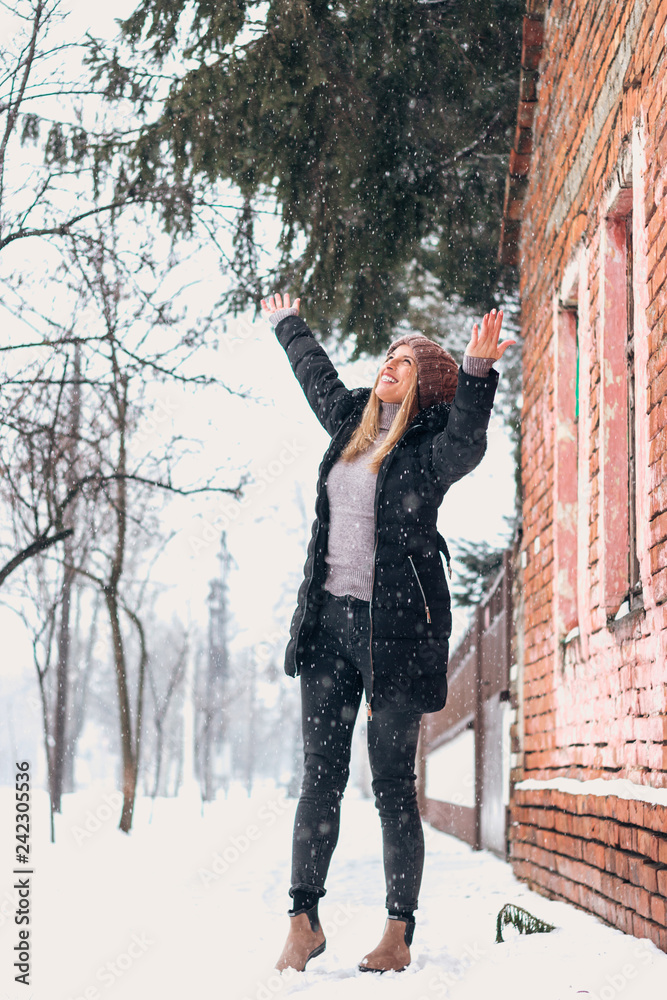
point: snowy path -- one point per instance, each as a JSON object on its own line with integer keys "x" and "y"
{"x": 192, "y": 907}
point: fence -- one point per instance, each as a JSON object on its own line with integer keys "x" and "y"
{"x": 478, "y": 700}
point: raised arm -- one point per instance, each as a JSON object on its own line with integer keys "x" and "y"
{"x": 461, "y": 446}
{"x": 328, "y": 397}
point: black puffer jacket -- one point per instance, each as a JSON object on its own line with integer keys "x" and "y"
{"x": 410, "y": 606}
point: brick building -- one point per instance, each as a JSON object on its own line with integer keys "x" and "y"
{"x": 585, "y": 224}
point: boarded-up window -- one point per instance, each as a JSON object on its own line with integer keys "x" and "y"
{"x": 566, "y": 401}
{"x": 621, "y": 589}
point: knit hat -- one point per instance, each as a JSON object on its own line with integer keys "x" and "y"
{"x": 437, "y": 372}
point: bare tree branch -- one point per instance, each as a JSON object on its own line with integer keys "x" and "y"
{"x": 39, "y": 545}
{"x": 64, "y": 228}
{"x": 15, "y": 103}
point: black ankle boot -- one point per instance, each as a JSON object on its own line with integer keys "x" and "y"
{"x": 389, "y": 955}
{"x": 288, "y": 959}
{"x": 409, "y": 926}
{"x": 311, "y": 913}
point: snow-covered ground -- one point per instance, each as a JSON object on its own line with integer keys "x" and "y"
{"x": 193, "y": 905}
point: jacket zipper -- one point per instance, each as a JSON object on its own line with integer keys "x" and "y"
{"x": 369, "y": 711}
{"x": 428, "y": 613}
{"x": 381, "y": 472}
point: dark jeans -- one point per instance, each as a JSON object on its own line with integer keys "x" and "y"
{"x": 331, "y": 689}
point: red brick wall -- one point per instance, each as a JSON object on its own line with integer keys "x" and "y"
{"x": 606, "y": 854}
{"x": 594, "y": 137}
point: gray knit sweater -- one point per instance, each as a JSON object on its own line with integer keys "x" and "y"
{"x": 351, "y": 492}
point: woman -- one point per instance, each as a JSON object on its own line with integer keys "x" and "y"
{"x": 373, "y": 610}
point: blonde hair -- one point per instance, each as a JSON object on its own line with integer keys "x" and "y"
{"x": 369, "y": 426}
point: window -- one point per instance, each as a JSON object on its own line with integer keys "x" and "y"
{"x": 634, "y": 578}
{"x": 620, "y": 579}
{"x": 566, "y": 450}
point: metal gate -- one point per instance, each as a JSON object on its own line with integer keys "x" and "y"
{"x": 478, "y": 699}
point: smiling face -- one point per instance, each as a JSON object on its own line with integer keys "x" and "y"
{"x": 396, "y": 375}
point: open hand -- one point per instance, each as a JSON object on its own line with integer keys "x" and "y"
{"x": 276, "y": 302}
{"x": 485, "y": 344}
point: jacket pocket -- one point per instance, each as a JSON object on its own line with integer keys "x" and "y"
{"x": 426, "y": 608}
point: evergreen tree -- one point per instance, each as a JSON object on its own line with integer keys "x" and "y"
{"x": 380, "y": 130}
{"x": 476, "y": 565}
